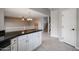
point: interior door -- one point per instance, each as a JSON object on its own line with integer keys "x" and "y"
{"x": 69, "y": 26}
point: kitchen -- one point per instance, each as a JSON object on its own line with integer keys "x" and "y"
{"x": 22, "y": 29}
{"x": 39, "y": 29}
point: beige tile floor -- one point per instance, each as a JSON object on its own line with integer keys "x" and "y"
{"x": 53, "y": 44}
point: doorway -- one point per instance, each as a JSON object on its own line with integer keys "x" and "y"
{"x": 46, "y": 25}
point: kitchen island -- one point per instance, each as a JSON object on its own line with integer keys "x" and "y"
{"x": 25, "y": 40}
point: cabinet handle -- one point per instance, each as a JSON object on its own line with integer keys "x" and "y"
{"x": 14, "y": 40}
{"x": 73, "y": 29}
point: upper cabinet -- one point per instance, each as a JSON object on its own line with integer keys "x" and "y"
{"x": 1, "y": 19}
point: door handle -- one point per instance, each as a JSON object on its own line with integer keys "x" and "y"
{"x": 73, "y": 29}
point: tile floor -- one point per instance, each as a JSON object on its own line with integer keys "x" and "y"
{"x": 53, "y": 44}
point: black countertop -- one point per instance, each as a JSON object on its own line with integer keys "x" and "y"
{"x": 10, "y": 35}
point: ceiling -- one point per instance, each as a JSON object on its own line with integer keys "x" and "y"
{"x": 61, "y": 9}
{"x": 22, "y": 12}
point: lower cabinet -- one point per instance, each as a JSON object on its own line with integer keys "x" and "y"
{"x": 14, "y": 44}
{"x": 34, "y": 40}
{"x": 23, "y": 43}
{"x": 26, "y": 42}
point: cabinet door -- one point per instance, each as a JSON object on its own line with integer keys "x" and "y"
{"x": 37, "y": 39}
{"x": 23, "y": 43}
{"x": 14, "y": 47}
{"x": 34, "y": 40}
{"x": 14, "y": 44}
{"x": 31, "y": 42}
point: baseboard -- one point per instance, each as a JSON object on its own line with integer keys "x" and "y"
{"x": 63, "y": 41}
{"x": 36, "y": 48}
{"x": 77, "y": 47}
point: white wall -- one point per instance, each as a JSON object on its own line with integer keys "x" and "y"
{"x": 77, "y": 41}
{"x": 1, "y": 19}
{"x": 16, "y": 25}
{"x": 60, "y": 25}
{"x": 42, "y": 10}
{"x": 54, "y": 23}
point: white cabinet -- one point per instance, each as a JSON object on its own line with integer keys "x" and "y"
{"x": 29, "y": 42}
{"x": 23, "y": 43}
{"x": 14, "y": 44}
{"x": 34, "y": 40}
{"x": 26, "y": 42}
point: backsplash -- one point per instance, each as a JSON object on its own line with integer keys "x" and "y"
{"x": 16, "y": 25}
{"x": 10, "y": 29}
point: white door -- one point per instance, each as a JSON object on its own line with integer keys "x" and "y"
{"x": 69, "y": 26}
